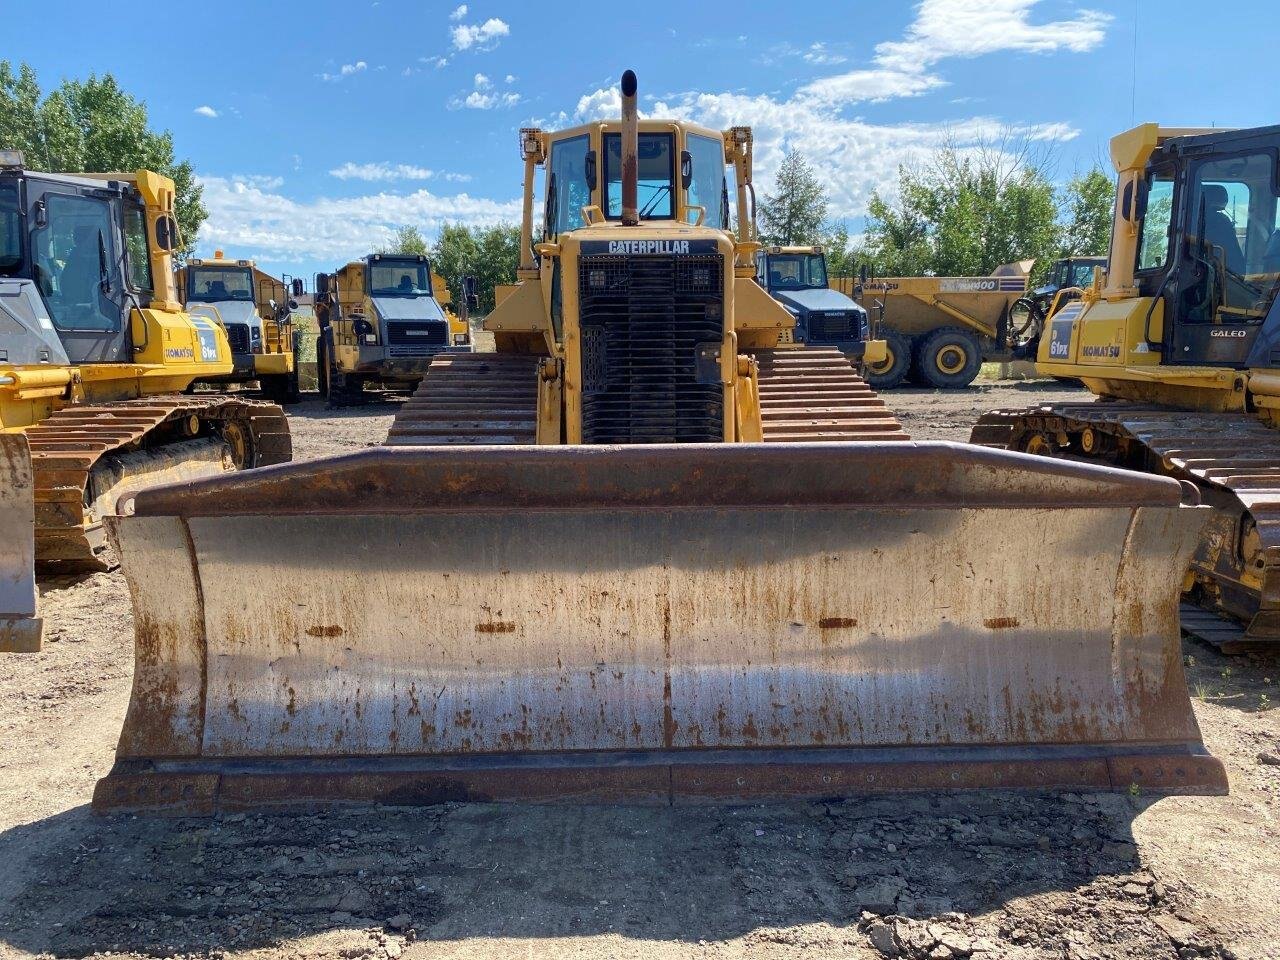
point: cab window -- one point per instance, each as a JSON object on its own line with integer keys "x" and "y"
{"x": 567, "y": 188}
{"x": 10, "y": 229}
{"x": 137, "y": 255}
{"x": 656, "y": 174}
{"x": 214, "y": 284}
{"x": 708, "y": 187}
{"x": 1153, "y": 249}
{"x": 797, "y": 271}
{"x": 74, "y": 254}
{"x": 389, "y": 278}
{"x": 1081, "y": 275}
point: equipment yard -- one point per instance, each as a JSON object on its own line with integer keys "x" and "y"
{"x": 926, "y": 875}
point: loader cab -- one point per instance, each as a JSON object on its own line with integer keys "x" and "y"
{"x": 797, "y": 278}
{"x": 83, "y": 244}
{"x": 1209, "y": 246}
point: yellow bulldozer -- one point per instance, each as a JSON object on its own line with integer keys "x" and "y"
{"x": 382, "y": 320}
{"x": 95, "y": 352}
{"x": 1180, "y": 341}
{"x": 608, "y": 560}
{"x": 256, "y": 311}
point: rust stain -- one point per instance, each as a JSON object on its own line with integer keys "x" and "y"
{"x": 332, "y": 630}
{"x": 668, "y": 717}
{"x": 837, "y": 623}
{"x": 496, "y": 626}
{"x": 1000, "y": 623}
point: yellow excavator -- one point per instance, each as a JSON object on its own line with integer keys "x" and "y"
{"x": 646, "y": 551}
{"x": 95, "y": 352}
{"x": 1179, "y": 339}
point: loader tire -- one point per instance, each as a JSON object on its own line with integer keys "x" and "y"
{"x": 894, "y": 369}
{"x": 949, "y": 359}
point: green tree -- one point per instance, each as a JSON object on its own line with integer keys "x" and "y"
{"x": 964, "y": 213}
{"x": 92, "y": 126}
{"x": 1086, "y": 216}
{"x": 490, "y": 254}
{"x": 407, "y": 240}
{"x": 794, "y": 214}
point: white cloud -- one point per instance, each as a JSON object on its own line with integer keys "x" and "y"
{"x": 380, "y": 172}
{"x": 458, "y": 13}
{"x": 819, "y": 54}
{"x": 274, "y": 227}
{"x": 484, "y": 97}
{"x": 206, "y": 111}
{"x": 510, "y": 78}
{"x": 479, "y": 36}
{"x": 259, "y": 180}
{"x": 346, "y": 70}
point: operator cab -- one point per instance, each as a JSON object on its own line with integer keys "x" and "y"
{"x": 74, "y": 258}
{"x": 797, "y": 278}
{"x": 1210, "y": 246}
{"x": 223, "y": 291}
{"x": 405, "y": 308}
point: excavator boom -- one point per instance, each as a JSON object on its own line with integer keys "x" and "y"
{"x": 655, "y": 623}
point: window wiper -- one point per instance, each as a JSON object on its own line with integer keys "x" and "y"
{"x": 658, "y": 194}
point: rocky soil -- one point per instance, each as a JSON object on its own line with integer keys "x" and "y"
{"x": 937, "y": 876}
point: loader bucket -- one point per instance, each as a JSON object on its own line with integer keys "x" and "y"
{"x": 655, "y": 624}
{"x": 21, "y": 631}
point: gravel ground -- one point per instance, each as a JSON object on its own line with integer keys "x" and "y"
{"x": 937, "y": 876}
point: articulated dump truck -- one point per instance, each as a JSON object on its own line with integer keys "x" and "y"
{"x": 646, "y": 552}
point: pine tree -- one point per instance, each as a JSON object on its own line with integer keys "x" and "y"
{"x": 795, "y": 213}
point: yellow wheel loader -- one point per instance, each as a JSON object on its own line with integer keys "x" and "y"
{"x": 645, "y": 552}
{"x": 94, "y": 354}
{"x": 255, "y": 310}
{"x": 382, "y": 321}
{"x": 1181, "y": 344}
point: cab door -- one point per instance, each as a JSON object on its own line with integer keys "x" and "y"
{"x": 77, "y": 262}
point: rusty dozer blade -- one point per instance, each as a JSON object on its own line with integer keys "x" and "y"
{"x": 655, "y": 624}
{"x": 21, "y": 631}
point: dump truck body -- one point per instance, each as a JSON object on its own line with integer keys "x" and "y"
{"x": 95, "y": 353}
{"x": 1178, "y": 342}
{"x": 939, "y": 330}
{"x": 382, "y": 320}
{"x": 255, "y": 309}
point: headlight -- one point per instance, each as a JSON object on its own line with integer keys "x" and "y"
{"x": 459, "y": 339}
{"x": 370, "y": 338}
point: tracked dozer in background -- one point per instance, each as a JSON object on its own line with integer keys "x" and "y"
{"x": 577, "y": 573}
{"x": 1181, "y": 344}
{"x": 256, "y": 311}
{"x": 94, "y": 354}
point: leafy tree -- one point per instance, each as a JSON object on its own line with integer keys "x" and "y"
{"x": 92, "y": 126}
{"x": 1087, "y": 214}
{"x": 794, "y": 214}
{"x": 842, "y": 260}
{"x": 490, "y": 254}
{"x": 965, "y": 212}
{"x": 407, "y": 240}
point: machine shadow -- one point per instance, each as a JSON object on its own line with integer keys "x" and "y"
{"x": 682, "y": 874}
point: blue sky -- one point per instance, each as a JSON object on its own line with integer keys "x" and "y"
{"x": 317, "y": 127}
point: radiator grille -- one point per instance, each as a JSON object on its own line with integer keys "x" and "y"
{"x": 646, "y": 322}
{"x": 416, "y": 338}
{"x": 832, "y": 327}
{"x": 238, "y": 337}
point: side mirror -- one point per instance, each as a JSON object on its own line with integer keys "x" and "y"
{"x": 589, "y": 169}
{"x": 686, "y": 169}
{"x": 292, "y": 305}
{"x": 1144, "y": 191}
{"x": 473, "y": 301}
{"x": 272, "y": 304}
{"x": 42, "y": 214}
{"x": 468, "y": 286}
{"x": 166, "y": 233}
{"x": 298, "y": 289}
{"x": 322, "y": 283}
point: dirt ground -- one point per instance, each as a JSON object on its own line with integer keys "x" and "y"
{"x": 940, "y": 876}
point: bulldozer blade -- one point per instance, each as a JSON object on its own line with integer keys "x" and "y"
{"x": 655, "y": 624}
{"x": 21, "y": 631}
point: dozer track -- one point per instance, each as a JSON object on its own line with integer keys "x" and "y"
{"x": 1233, "y": 459}
{"x": 807, "y": 395}
{"x": 471, "y": 398}
{"x": 814, "y": 394}
{"x": 81, "y": 454}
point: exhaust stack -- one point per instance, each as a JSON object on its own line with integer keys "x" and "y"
{"x": 630, "y": 151}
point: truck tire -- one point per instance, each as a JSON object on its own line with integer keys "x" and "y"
{"x": 887, "y": 375}
{"x": 281, "y": 388}
{"x": 949, "y": 358}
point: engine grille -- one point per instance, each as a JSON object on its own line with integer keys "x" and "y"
{"x": 416, "y": 338}
{"x": 651, "y": 327}
{"x": 831, "y": 327}
{"x": 238, "y": 337}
